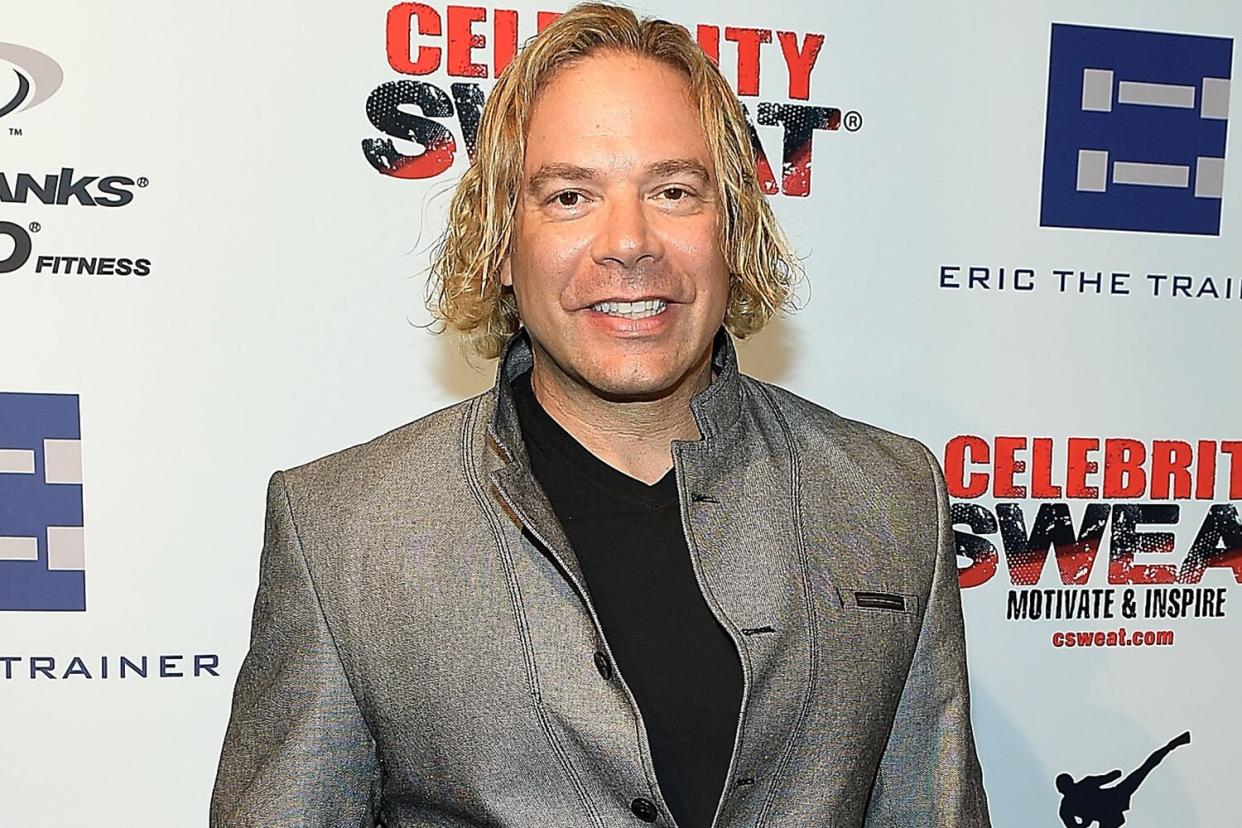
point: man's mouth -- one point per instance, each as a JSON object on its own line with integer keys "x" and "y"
{"x": 631, "y": 310}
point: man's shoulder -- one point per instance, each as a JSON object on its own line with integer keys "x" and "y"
{"x": 408, "y": 457}
{"x": 823, "y": 437}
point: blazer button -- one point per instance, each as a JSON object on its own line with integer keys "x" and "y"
{"x": 644, "y": 809}
{"x": 601, "y": 664}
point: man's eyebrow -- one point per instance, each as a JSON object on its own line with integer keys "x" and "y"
{"x": 572, "y": 172}
{"x": 677, "y": 166}
{"x": 564, "y": 172}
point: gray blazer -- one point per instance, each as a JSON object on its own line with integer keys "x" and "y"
{"x": 422, "y": 650}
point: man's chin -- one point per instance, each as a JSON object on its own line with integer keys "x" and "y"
{"x": 631, "y": 392}
{"x": 637, "y": 383}
{"x": 626, "y": 372}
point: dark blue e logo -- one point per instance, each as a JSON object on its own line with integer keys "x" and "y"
{"x": 1135, "y": 132}
{"x": 42, "y": 556}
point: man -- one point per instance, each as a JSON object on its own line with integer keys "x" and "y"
{"x": 628, "y": 584}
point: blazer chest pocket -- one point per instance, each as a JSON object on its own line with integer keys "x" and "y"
{"x": 868, "y": 600}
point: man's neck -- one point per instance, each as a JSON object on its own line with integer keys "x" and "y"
{"x": 631, "y": 436}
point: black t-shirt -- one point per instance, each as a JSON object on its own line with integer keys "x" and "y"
{"x": 676, "y": 658}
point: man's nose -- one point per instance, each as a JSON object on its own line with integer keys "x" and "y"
{"x": 625, "y": 236}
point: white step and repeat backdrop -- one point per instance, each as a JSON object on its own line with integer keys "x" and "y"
{"x": 1022, "y": 226}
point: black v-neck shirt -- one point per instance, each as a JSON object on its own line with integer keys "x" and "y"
{"x": 680, "y": 664}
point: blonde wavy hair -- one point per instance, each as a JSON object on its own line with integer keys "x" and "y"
{"x": 464, "y": 290}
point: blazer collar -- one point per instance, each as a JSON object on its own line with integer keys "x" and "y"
{"x": 715, "y": 408}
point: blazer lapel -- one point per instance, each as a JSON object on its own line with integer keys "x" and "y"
{"x": 525, "y": 503}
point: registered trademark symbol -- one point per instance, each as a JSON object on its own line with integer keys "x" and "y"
{"x": 852, "y": 120}
{"x": 35, "y": 227}
{"x": 142, "y": 182}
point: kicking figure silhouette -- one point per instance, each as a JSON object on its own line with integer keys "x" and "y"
{"x": 1087, "y": 800}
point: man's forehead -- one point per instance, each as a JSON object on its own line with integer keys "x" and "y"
{"x": 609, "y": 89}
{"x": 613, "y": 111}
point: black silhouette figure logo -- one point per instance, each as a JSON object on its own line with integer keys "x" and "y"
{"x": 1087, "y": 801}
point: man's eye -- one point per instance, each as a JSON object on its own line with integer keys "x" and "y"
{"x": 569, "y": 198}
{"x": 675, "y": 193}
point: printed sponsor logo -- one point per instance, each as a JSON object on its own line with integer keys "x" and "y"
{"x": 42, "y": 558}
{"x": 423, "y": 125}
{"x": 36, "y": 76}
{"x": 1106, "y": 531}
{"x": 42, "y": 547}
{"x": 1135, "y": 131}
{"x": 67, "y": 187}
{"x": 1102, "y": 799}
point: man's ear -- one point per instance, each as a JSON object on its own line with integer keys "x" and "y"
{"x": 506, "y": 273}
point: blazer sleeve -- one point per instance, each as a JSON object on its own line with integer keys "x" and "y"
{"x": 297, "y": 750}
{"x": 929, "y": 774}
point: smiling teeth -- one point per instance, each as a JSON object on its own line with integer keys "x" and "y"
{"x": 631, "y": 310}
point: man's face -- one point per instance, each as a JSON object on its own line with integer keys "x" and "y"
{"x": 616, "y": 260}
